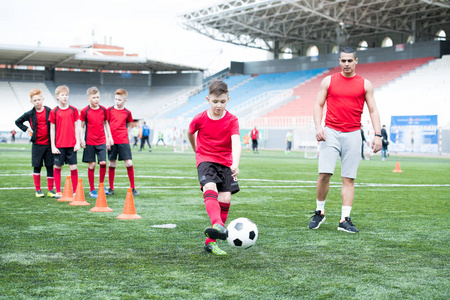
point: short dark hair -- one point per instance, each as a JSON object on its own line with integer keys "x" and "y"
{"x": 349, "y": 50}
{"x": 218, "y": 88}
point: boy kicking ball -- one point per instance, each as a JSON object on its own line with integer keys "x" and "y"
{"x": 95, "y": 137}
{"x": 217, "y": 151}
{"x": 41, "y": 150}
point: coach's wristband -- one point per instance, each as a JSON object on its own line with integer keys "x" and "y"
{"x": 377, "y": 134}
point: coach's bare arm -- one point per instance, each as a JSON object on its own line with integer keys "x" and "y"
{"x": 318, "y": 108}
{"x": 374, "y": 115}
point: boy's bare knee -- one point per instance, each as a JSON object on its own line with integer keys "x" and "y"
{"x": 128, "y": 163}
{"x": 210, "y": 186}
{"x": 225, "y": 197}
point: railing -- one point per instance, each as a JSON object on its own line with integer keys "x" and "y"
{"x": 184, "y": 98}
{"x": 277, "y": 122}
{"x": 22, "y": 77}
{"x": 261, "y": 102}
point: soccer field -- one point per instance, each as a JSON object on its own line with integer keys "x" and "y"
{"x": 49, "y": 249}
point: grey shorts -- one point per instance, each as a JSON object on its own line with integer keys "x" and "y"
{"x": 347, "y": 145}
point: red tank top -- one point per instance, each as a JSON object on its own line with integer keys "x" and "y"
{"x": 345, "y": 103}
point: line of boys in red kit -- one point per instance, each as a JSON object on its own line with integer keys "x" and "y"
{"x": 57, "y": 136}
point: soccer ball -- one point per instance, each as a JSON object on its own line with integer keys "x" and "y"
{"x": 242, "y": 233}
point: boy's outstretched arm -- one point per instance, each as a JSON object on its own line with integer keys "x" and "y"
{"x": 236, "y": 153}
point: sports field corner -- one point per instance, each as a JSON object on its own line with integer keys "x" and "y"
{"x": 52, "y": 250}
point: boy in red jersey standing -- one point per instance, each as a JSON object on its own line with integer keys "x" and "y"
{"x": 120, "y": 120}
{"x": 64, "y": 135}
{"x": 217, "y": 151}
{"x": 344, "y": 94}
{"x": 41, "y": 149}
{"x": 95, "y": 137}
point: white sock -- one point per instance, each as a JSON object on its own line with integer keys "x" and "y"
{"x": 320, "y": 206}
{"x": 345, "y": 212}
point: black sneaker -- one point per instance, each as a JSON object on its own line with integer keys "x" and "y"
{"x": 135, "y": 192}
{"x": 317, "y": 219}
{"x": 348, "y": 226}
{"x": 110, "y": 192}
{"x": 217, "y": 231}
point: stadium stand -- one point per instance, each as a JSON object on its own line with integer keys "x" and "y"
{"x": 197, "y": 102}
{"x": 143, "y": 102}
{"x": 249, "y": 92}
{"x": 423, "y": 91}
{"x": 379, "y": 73}
{"x": 22, "y": 93}
{"x": 15, "y": 108}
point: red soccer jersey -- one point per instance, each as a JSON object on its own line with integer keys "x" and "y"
{"x": 118, "y": 120}
{"x": 94, "y": 118}
{"x": 345, "y": 103}
{"x": 214, "y": 138}
{"x": 64, "y": 120}
{"x": 41, "y": 129}
{"x": 254, "y": 134}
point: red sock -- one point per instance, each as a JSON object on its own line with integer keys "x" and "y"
{"x": 91, "y": 173}
{"x": 37, "y": 181}
{"x": 50, "y": 183}
{"x": 57, "y": 177}
{"x": 212, "y": 207}
{"x": 130, "y": 172}
{"x": 208, "y": 240}
{"x": 74, "y": 177}
{"x": 111, "y": 173}
{"x": 224, "y": 209}
{"x": 102, "y": 173}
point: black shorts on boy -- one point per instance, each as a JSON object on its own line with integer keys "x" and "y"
{"x": 67, "y": 155}
{"x": 121, "y": 150}
{"x": 40, "y": 153}
{"x": 91, "y": 151}
{"x": 219, "y": 174}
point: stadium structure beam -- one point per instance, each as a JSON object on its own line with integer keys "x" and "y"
{"x": 62, "y": 62}
{"x": 26, "y": 57}
{"x": 297, "y": 22}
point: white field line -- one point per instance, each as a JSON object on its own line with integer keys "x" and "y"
{"x": 332, "y": 184}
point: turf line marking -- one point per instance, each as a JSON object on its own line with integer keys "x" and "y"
{"x": 333, "y": 184}
{"x": 255, "y": 186}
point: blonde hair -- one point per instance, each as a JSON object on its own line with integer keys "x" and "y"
{"x": 35, "y": 92}
{"x": 92, "y": 91}
{"x": 121, "y": 92}
{"x": 60, "y": 89}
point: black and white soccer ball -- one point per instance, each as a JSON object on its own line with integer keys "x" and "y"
{"x": 242, "y": 233}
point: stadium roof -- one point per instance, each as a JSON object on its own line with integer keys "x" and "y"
{"x": 257, "y": 23}
{"x": 78, "y": 58}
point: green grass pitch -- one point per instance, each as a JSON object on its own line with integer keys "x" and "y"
{"x": 56, "y": 251}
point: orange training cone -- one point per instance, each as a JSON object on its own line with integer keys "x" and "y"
{"x": 129, "y": 212}
{"x": 79, "y": 199}
{"x": 67, "y": 193}
{"x": 397, "y": 168}
{"x": 101, "y": 205}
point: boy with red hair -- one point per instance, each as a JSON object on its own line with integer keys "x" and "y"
{"x": 64, "y": 135}
{"x": 41, "y": 150}
{"x": 217, "y": 151}
{"x": 120, "y": 121}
